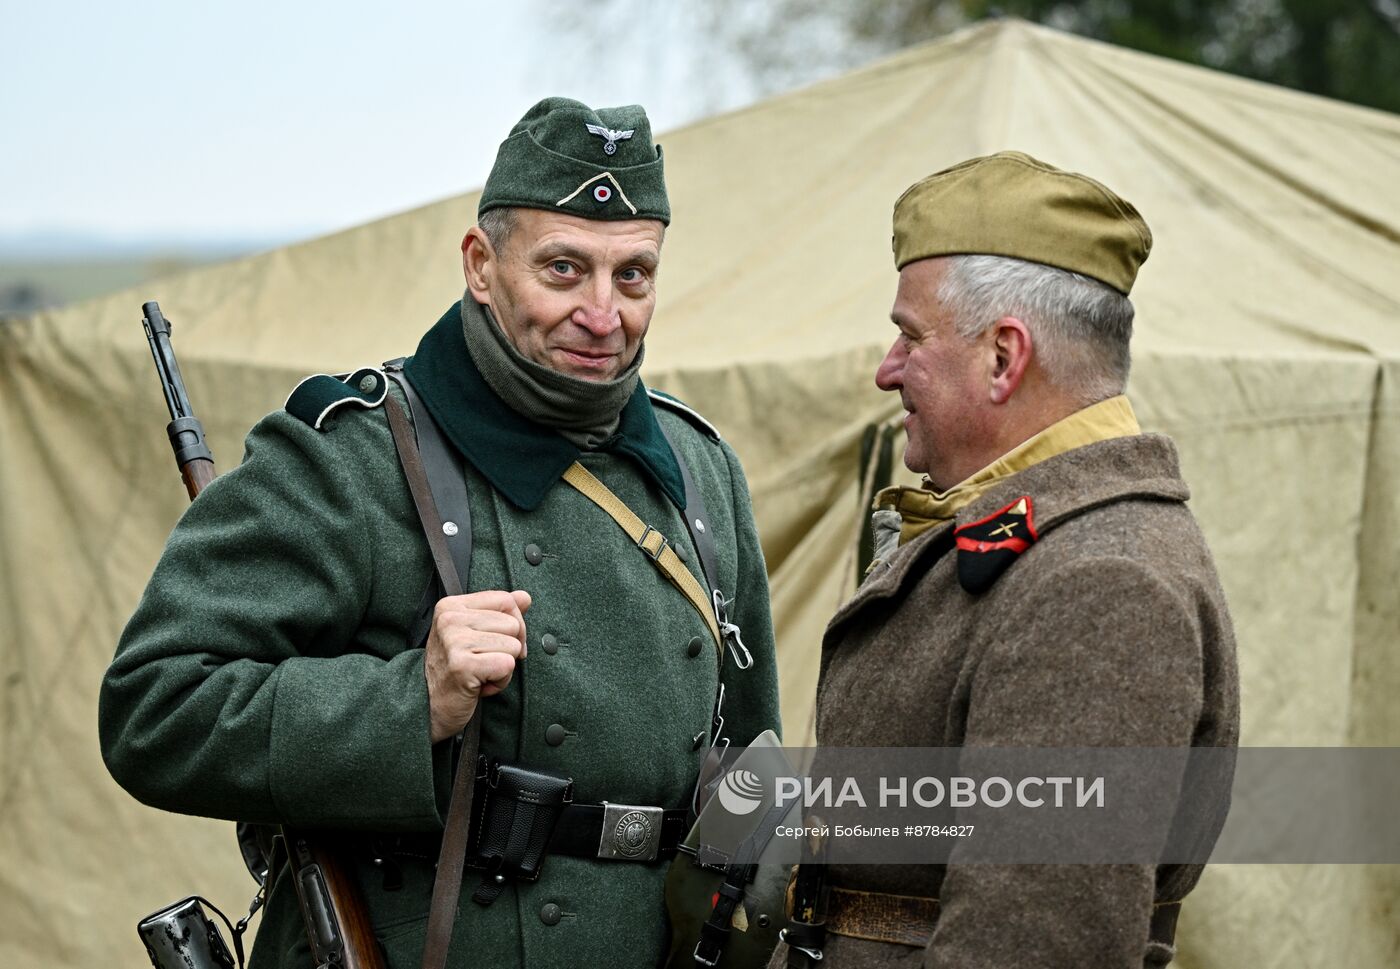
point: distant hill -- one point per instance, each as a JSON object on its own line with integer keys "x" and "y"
{"x": 26, "y": 287}
{"x": 41, "y": 270}
{"x": 60, "y": 245}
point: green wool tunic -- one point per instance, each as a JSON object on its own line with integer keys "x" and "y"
{"x": 265, "y": 675}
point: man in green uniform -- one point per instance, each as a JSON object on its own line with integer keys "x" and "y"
{"x": 1046, "y": 587}
{"x": 268, "y": 674}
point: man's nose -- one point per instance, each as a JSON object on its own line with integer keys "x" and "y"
{"x": 598, "y": 313}
{"x": 890, "y": 374}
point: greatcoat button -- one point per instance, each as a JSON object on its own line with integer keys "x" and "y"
{"x": 693, "y": 648}
{"x": 550, "y": 644}
{"x": 554, "y": 734}
{"x": 533, "y": 555}
{"x": 550, "y": 914}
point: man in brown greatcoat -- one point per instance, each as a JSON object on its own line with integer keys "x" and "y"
{"x": 1048, "y": 587}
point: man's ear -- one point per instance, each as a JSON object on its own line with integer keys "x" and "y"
{"x": 1012, "y": 350}
{"x": 478, "y": 263}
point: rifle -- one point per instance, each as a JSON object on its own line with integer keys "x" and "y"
{"x": 332, "y": 906}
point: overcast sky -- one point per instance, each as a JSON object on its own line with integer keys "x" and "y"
{"x": 280, "y": 120}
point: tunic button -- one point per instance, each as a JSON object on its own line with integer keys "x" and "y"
{"x": 550, "y": 644}
{"x": 680, "y": 551}
{"x": 368, "y": 383}
{"x": 533, "y": 555}
{"x": 549, "y": 915}
{"x": 554, "y": 734}
{"x": 693, "y": 648}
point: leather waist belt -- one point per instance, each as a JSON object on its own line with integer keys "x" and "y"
{"x": 880, "y": 917}
{"x": 617, "y": 832}
{"x": 910, "y": 919}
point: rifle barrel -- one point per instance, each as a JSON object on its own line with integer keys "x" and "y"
{"x": 186, "y": 433}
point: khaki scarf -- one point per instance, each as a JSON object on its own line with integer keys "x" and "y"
{"x": 919, "y": 509}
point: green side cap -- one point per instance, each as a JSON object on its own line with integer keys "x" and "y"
{"x": 564, "y": 156}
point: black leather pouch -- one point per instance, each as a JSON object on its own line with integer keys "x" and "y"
{"x": 517, "y": 809}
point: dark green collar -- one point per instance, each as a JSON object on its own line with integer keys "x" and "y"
{"x": 520, "y": 458}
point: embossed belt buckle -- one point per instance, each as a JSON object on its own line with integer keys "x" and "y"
{"x": 630, "y": 832}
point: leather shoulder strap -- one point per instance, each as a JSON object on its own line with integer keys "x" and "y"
{"x": 447, "y": 885}
{"x": 446, "y": 482}
{"x": 697, "y": 521}
{"x": 428, "y": 515}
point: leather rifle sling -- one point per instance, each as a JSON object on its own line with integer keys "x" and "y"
{"x": 447, "y": 884}
{"x": 650, "y": 541}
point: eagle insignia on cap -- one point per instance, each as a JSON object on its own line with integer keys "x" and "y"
{"x": 987, "y": 547}
{"x": 609, "y": 136}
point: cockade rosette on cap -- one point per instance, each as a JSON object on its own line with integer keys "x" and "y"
{"x": 564, "y": 156}
{"x": 1010, "y": 204}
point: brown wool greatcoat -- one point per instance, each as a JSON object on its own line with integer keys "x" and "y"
{"x": 1111, "y": 630}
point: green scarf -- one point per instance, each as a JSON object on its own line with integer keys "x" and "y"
{"x": 586, "y": 412}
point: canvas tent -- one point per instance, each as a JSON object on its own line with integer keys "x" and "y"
{"x": 1268, "y": 344}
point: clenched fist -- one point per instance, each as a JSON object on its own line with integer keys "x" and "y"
{"x": 475, "y": 642}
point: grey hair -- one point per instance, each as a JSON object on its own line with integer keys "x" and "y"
{"x": 498, "y": 224}
{"x": 1080, "y": 327}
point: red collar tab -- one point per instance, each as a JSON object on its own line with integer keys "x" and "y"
{"x": 987, "y": 547}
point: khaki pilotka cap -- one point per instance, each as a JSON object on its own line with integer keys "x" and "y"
{"x": 1010, "y": 204}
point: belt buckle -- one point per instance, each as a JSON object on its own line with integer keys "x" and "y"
{"x": 630, "y": 832}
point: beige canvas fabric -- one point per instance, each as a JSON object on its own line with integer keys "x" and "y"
{"x": 1268, "y": 346}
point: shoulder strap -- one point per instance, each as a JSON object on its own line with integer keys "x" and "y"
{"x": 320, "y": 395}
{"x": 428, "y": 515}
{"x": 447, "y": 885}
{"x": 650, "y": 541}
{"x": 697, "y": 522}
{"x": 446, "y": 482}
{"x": 684, "y": 409}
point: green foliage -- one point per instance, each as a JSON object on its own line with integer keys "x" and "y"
{"x": 1346, "y": 49}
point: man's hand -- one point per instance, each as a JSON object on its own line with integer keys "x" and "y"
{"x": 474, "y": 644}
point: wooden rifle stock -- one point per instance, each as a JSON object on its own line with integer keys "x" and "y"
{"x": 197, "y": 474}
{"x": 332, "y": 906}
